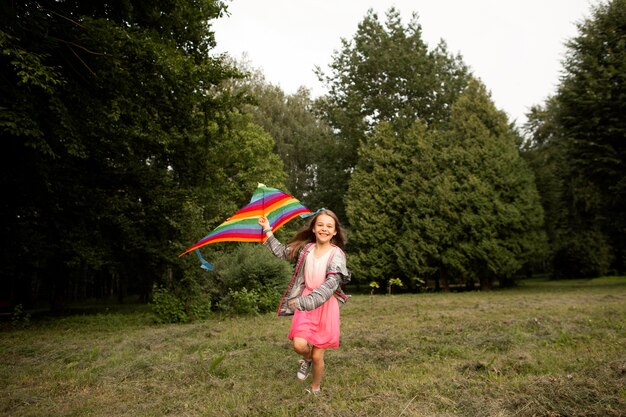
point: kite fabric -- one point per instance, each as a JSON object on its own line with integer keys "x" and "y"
{"x": 243, "y": 226}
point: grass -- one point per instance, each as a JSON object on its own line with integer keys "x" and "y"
{"x": 543, "y": 349}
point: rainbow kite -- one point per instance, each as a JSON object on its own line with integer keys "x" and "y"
{"x": 243, "y": 226}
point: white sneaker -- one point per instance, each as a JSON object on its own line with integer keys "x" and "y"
{"x": 304, "y": 367}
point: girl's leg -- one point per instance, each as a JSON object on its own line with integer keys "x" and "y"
{"x": 318, "y": 367}
{"x": 302, "y": 347}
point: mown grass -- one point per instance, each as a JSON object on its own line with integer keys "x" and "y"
{"x": 543, "y": 349}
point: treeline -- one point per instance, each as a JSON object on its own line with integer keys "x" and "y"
{"x": 577, "y": 148}
{"x": 119, "y": 147}
{"x": 124, "y": 139}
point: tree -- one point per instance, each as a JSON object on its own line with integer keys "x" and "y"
{"x": 578, "y": 152}
{"x": 592, "y": 104}
{"x": 114, "y": 139}
{"x": 300, "y": 137}
{"x": 452, "y": 201}
{"x": 376, "y": 201}
{"x": 385, "y": 74}
{"x": 302, "y": 140}
{"x": 499, "y": 228}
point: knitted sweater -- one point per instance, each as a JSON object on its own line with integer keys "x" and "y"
{"x": 337, "y": 274}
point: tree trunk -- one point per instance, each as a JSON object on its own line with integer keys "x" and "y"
{"x": 486, "y": 283}
{"x": 443, "y": 275}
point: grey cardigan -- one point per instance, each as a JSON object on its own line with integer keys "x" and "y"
{"x": 337, "y": 274}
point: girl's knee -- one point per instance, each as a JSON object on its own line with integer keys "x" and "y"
{"x": 317, "y": 355}
{"x": 300, "y": 345}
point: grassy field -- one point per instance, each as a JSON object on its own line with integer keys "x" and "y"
{"x": 543, "y": 349}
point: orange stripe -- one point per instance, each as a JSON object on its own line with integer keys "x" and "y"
{"x": 246, "y": 215}
{"x": 279, "y": 203}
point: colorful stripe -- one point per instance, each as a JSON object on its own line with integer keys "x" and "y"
{"x": 243, "y": 226}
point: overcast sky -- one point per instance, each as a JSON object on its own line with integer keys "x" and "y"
{"x": 514, "y": 46}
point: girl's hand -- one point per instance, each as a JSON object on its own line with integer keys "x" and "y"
{"x": 265, "y": 224}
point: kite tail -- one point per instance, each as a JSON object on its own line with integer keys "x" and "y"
{"x": 205, "y": 264}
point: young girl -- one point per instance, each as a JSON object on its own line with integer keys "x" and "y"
{"x": 314, "y": 294}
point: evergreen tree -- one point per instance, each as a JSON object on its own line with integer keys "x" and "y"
{"x": 454, "y": 201}
{"x": 386, "y": 73}
{"x": 592, "y": 105}
{"x": 499, "y": 219}
{"x": 577, "y": 149}
{"x": 376, "y": 202}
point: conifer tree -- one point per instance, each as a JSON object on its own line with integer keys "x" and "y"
{"x": 454, "y": 203}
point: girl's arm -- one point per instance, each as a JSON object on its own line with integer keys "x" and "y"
{"x": 319, "y": 295}
{"x": 337, "y": 274}
{"x": 277, "y": 248}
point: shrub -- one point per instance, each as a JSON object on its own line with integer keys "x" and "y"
{"x": 19, "y": 318}
{"x": 247, "y": 302}
{"x": 582, "y": 255}
{"x": 251, "y": 266}
{"x": 169, "y": 307}
{"x": 251, "y": 280}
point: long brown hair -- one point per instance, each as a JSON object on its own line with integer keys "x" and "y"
{"x": 305, "y": 235}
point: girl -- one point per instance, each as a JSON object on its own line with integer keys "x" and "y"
{"x": 313, "y": 296}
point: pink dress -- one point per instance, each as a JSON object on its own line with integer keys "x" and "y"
{"x": 319, "y": 327}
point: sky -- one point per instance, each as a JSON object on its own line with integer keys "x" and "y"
{"x": 515, "y": 47}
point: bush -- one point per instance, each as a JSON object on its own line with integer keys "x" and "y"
{"x": 167, "y": 307}
{"x": 248, "y": 280}
{"x": 269, "y": 299}
{"x": 251, "y": 280}
{"x": 249, "y": 302}
{"x": 582, "y": 255}
{"x": 242, "y": 302}
{"x": 19, "y": 318}
{"x": 171, "y": 308}
{"x": 251, "y": 266}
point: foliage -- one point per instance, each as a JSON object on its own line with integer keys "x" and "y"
{"x": 251, "y": 266}
{"x": 385, "y": 73}
{"x": 118, "y": 146}
{"x": 453, "y": 201}
{"x": 246, "y": 302}
{"x": 249, "y": 280}
{"x": 19, "y": 318}
{"x": 393, "y": 281}
{"x": 301, "y": 139}
{"x": 170, "y": 306}
{"x": 373, "y": 287}
{"x": 167, "y": 307}
{"x": 376, "y": 202}
{"x": 494, "y": 212}
{"x": 577, "y": 149}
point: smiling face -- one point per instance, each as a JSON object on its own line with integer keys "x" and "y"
{"x": 324, "y": 229}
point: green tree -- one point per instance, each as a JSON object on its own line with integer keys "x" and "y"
{"x": 301, "y": 139}
{"x": 299, "y": 135}
{"x": 592, "y": 104}
{"x": 453, "y": 202}
{"x": 386, "y": 73}
{"x": 116, "y": 145}
{"x": 577, "y": 149}
{"x": 376, "y": 201}
{"x": 498, "y": 228}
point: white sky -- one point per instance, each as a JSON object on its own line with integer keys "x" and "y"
{"x": 514, "y": 46}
